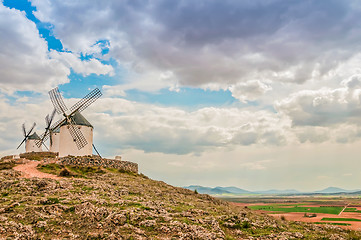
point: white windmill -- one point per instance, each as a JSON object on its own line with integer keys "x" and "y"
{"x": 75, "y": 135}
{"x": 30, "y": 140}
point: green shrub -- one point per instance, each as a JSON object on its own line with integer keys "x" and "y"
{"x": 246, "y": 224}
{"x": 51, "y": 201}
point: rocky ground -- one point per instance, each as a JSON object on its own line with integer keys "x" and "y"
{"x": 94, "y": 203}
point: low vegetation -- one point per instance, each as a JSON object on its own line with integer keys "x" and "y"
{"x": 6, "y": 164}
{"x": 38, "y": 155}
{"x": 341, "y": 219}
{"x": 339, "y": 224}
{"x": 352, "y": 210}
{"x": 296, "y": 208}
{"x": 96, "y": 203}
{"x": 72, "y": 171}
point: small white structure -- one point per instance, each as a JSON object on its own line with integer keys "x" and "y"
{"x": 67, "y": 145}
{"x": 54, "y": 140}
{"x": 30, "y": 144}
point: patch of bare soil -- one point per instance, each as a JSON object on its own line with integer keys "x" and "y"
{"x": 29, "y": 170}
{"x": 299, "y": 217}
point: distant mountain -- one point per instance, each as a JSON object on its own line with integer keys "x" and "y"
{"x": 207, "y": 190}
{"x": 335, "y": 190}
{"x": 275, "y": 191}
{"x": 234, "y": 190}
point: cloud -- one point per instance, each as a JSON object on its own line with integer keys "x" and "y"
{"x": 256, "y": 165}
{"x": 211, "y": 42}
{"x": 170, "y": 130}
{"x": 14, "y": 114}
{"x": 24, "y": 60}
{"x": 249, "y": 91}
{"x": 85, "y": 67}
{"x": 325, "y": 106}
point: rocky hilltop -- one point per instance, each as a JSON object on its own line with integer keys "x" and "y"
{"x": 98, "y": 203}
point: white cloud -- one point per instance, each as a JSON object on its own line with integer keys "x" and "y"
{"x": 85, "y": 67}
{"x": 256, "y": 165}
{"x": 171, "y": 130}
{"x": 24, "y": 59}
{"x": 25, "y": 62}
{"x": 249, "y": 91}
{"x": 325, "y": 106}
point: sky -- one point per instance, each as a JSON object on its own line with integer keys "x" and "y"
{"x": 255, "y": 94}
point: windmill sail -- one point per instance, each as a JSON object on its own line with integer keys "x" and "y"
{"x": 86, "y": 101}
{"x": 26, "y": 134}
{"x": 57, "y": 101}
{"x": 45, "y": 135}
{"x": 60, "y": 107}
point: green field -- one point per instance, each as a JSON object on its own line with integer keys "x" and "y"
{"x": 351, "y": 210}
{"x": 341, "y": 224}
{"x": 341, "y": 219}
{"x": 297, "y": 208}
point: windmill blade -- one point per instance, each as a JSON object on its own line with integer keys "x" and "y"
{"x": 51, "y": 131}
{"x": 86, "y": 101}
{"x": 47, "y": 120}
{"x": 43, "y": 138}
{"x": 77, "y": 135}
{"x": 41, "y": 141}
{"x": 46, "y": 147}
{"x": 24, "y": 131}
{"x": 52, "y": 116}
{"x": 21, "y": 143}
{"x": 46, "y": 134}
{"x": 26, "y": 134}
{"x": 31, "y": 129}
{"x": 57, "y": 101}
{"x": 57, "y": 124}
{"x": 51, "y": 137}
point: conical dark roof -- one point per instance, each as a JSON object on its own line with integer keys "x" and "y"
{"x": 79, "y": 120}
{"x": 34, "y": 136}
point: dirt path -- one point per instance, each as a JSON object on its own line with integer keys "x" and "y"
{"x": 29, "y": 170}
{"x": 343, "y": 209}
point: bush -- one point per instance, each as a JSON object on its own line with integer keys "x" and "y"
{"x": 246, "y": 224}
{"x": 283, "y": 218}
{"x": 6, "y": 165}
{"x": 64, "y": 173}
{"x": 195, "y": 191}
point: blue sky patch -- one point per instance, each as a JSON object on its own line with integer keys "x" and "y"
{"x": 45, "y": 29}
{"x": 187, "y": 97}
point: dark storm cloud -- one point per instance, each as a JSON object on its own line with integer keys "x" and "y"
{"x": 214, "y": 42}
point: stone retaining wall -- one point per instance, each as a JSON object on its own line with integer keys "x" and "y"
{"x": 90, "y": 161}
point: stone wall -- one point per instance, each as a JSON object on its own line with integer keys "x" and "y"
{"x": 90, "y": 161}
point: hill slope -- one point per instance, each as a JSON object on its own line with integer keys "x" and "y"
{"x": 95, "y": 203}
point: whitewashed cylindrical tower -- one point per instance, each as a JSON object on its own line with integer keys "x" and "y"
{"x": 30, "y": 144}
{"x": 67, "y": 145}
{"x": 55, "y": 140}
